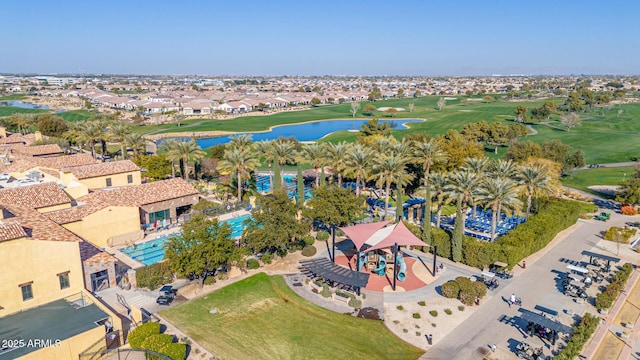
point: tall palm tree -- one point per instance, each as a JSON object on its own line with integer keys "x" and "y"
{"x": 358, "y": 163}
{"x": 170, "y": 149}
{"x": 499, "y": 192}
{"x": 503, "y": 168}
{"x": 118, "y": 132}
{"x": 438, "y": 182}
{"x": 189, "y": 150}
{"x": 316, "y": 154}
{"x": 264, "y": 149}
{"x": 478, "y": 166}
{"x": 88, "y": 133}
{"x": 534, "y": 181}
{"x": 462, "y": 186}
{"x": 389, "y": 169}
{"x": 241, "y": 142}
{"x": 336, "y": 153}
{"x": 137, "y": 142}
{"x": 283, "y": 151}
{"x": 427, "y": 153}
{"x": 240, "y": 162}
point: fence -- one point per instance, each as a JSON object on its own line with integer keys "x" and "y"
{"x": 122, "y": 354}
{"x": 226, "y": 208}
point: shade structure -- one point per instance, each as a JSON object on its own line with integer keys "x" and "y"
{"x": 330, "y": 271}
{"x": 360, "y": 233}
{"x": 399, "y": 235}
{"x": 536, "y": 318}
{"x": 601, "y": 256}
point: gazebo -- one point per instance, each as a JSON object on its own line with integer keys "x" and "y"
{"x": 368, "y": 238}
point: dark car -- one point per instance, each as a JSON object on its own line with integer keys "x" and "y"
{"x": 167, "y": 294}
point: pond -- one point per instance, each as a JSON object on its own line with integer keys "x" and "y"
{"x": 24, "y": 105}
{"x": 310, "y": 131}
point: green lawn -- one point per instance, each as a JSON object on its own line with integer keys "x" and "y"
{"x": 13, "y": 97}
{"x": 10, "y": 110}
{"x": 582, "y": 179}
{"x": 75, "y": 115}
{"x": 262, "y": 318}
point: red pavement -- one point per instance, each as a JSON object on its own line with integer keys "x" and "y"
{"x": 378, "y": 283}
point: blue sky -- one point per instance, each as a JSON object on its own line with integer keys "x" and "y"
{"x": 321, "y": 37}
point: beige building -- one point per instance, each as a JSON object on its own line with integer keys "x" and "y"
{"x": 44, "y": 197}
{"x": 103, "y": 175}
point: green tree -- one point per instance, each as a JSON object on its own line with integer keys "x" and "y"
{"x": 358, "y": 164}
{"x": 136, "y": 141}
{"x": 389, "y": 169}
{"x": 315, "y": 153}
{"x": 534, "y": 182}
{"x": 240, "y": 163}
{"x": 497, "y": 193}
{"x": 334, "y": 205}
{"x": 188, "y": 151}
{"x": 374, "y": 127}
{"x": 156, "y": 167}
{"x": 375, "y": 94}
{"x": 369, "y": 109}
{"x": 462, "y": 187}
{"x": 315, "y": 101}
{"x": 391, "y": 112}
{"x": 51, "y": 125}
{"x": 275, "y": 225}
{"x": 427, "y": 153}
{"x": 337, "y": 157}
{"x": 459, "y": 148}
{"x": 203, "y": 245}
{"x": 520, "y": 151}
{"x": 118, "y": 133}
{"x": 521, "y": 113}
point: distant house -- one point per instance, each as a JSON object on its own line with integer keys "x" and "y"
{"x": 196, "y": 108}
{"x": 103, "y": 175}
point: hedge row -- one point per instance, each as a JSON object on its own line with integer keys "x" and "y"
{"x": 465, "y": 290}
{"x": 581, "y": 334}
{"x": 147, "y": 336}
{"x": 605, "y": 299}
{"x": 154, "y": 276}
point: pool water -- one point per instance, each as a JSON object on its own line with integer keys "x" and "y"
{"x": 152, "y": 251}
{"x": 263, "y": 184}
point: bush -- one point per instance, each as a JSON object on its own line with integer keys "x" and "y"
{"x": 467, "y": 294}
{"x": 156, "y": 342}
{"x": 308, "y": 240}
{"x": 581, "y": 334}
{"x": 267, "y": 258}
{"x": 450, "y": 289}
{"x": 400, "y": 307}
{"x": 322, "y": 236}
{"x": 140, "y": 333}
{"x": 253, "y": 264}
{"x": 460, "y": 308}
{"x": 210, "y": 280}
{"x": 355, "y": 303}
{"x": 326, "y": 292}
{"x": 480, "y": 289}
{"x": 605, "y": 299}
{"x": 628, "y": 210}
{"x": 309, "y": 251}
{"x": 154, "y": 276}
{"x": 175, "y": 351}
{"x": 422, "y": 303}
{"x": 433, "y": 313}
{"x": 416, "y": 315}
{"x": 448, "y": 311}
{"x": 623, "y": 234}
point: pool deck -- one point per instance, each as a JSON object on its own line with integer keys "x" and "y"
{"x": 233, "y": 215}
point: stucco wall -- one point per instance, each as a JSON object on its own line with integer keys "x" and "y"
{"x": 100, "y": 182}
{"x": 69, "y": 348}
{"x": 104, "y": 224}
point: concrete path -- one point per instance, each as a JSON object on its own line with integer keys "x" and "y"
{"x": 496, "y": 323}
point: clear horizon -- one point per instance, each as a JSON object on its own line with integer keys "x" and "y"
{"x": 287, "y": 38}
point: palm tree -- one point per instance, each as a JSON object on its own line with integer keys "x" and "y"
{"x": 336, "y": 153}
{"x": 265, "y": 148}
{"x": 239, "y": 162}
{"x": 283, "y": 151}
{"x": 189, "y": 150}
{"x": 169, "y": 148}
{"x": 88, "y": 133}
{"x": 438, "y": 184}
{"x": 358, "y": 163}
{"x": 475, "y": 164}
{"x": 389, "y": 169}
{"x": 119, "y": 132}
{"x": 428, "y": 153}
{"x": 503, "y": 168}
{"x": 316, "y": 154}
{"x": 462, "y": 186}
{"x": 496, "y": 193}
{"x": 241, "y": 142}
{"x": 136, "y": 142}
{"x": 534, "y": 181}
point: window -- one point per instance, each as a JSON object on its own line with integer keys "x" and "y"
{"x": 64, "y": 280}
{"x": 129, "y": 179}
{"x": 27, "y": 292}
{"x": 108, "y": 182}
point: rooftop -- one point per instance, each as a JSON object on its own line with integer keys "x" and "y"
{"x": 140, "y": 195}
{"x": 35, "y": 196}
{"x": 38, "y": 150}
{"x": 102, "y": 169}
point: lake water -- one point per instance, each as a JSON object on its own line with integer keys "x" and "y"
{"x": 23, "y": 105}
{"x": 303, "y": 132}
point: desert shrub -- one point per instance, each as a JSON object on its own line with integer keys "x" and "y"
{"x": 175, "y": 351}
{"x": 267, "y": 258}
{"x": 308, "y": 240}
{"x": 309, "y": 251}
{"x": 450, "y": 289}
{"x": 460, "y": 308}
{"x": 154, "y": 276}
{"x": 326, "y": 292}
{"x": 400, "y": 307}
{"x": 355, "y": 303}
{"x": 433, "y": 313}
{"x": 416, "y": 315}
{"x": 480, "y": 289}
{"x": 422, "y": 303}
{"x": 605, "y": 299}
{"x": 467, "y": 294}
{"x": 253, "y": 264}
{"x": 581, "y": 334}
{"x": 210, "y": 280}
{"x": 628, "y": 210}
{"x": 448, "y": 311}
{"x": 140, "y": 333}
{"x": 156, "y": 342}
{"x": 322, "y": 235}
{"x": 622, "y": 235}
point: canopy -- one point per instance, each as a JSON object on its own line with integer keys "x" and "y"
{"x": 399, "y": 235}
{"x": 533, "y": 317}
{"x": 606, "y": 258}
{"x": 328, "y": 270}
{"x": 360, "y": 233}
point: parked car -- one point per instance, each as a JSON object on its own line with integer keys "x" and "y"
{"x": 167, "y": 294}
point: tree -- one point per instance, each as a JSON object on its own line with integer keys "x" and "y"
{"x": 498, "y": 192}
{"x": 358, "y": 164}
{"x": 462, "y": 186}
{"x": 488, "y": 98}
{"x": 89, "y": 133}
{"x": 441, "y": 103}
{"x": 391, "y": 112}
{"x": 411, "y": 106}
{"x": 51, "y": 125}
{"x": 427, "y": 153}
{"x": 369, "y": 109}
{"x": 354, "y": 108}
{"x": 337, "y": 157}
{"x": 156, "y": 167}
{"x": 520, "y": 151}
{"x": 521, "y": 113}
{"x": 169, "y": 148}
{"x": 375, "y": 94}
{"x": 555, "y": 150}
{"x": 629, "y": 191}
{"x": 119, "y": 132}
{"x": 401, "y": 93}
{"x": 459, "y": 148}
{"x": 334, "y": 205}
{"x": 316, "y": 154}
{"x": 570, "y": 120}
{"x": 203, "y": 245}
{"x": 417, "y": 93}
{"x": 136, "y": 141}
{"x": 275, "y": 225}
{"x": 388, "y": 169}
{"x": 283, "y": 152}
{"x": 534, "y": 182}
{"x": 240, "y": 162}
{"x": 315, "y": 101}
{"x": 188, "y": 150}
{"x": 374, "y": 127}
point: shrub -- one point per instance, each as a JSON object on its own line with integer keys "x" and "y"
{"x": 422, "y": 303}
{"x": 326, "y": 292}
{"x": 210, "y": 280}
{"x": 175, "y": 351}
{"x": 355, "y": 303}
{"x": 400, "y": 307}
{"x": 605, "y": 299}
{"x": 467, "y": 294}
{"x": 253, "y": 264}
{"x": 156, "y": 342}
{"x": 154, "y": 276}
{"x": 322, "y": 235}
{"x": 480, "y": 289}
{"x": 461, "y": 308}
{"x": 448, "y": 311}
{"x": 628, "y": 210}
{"x": 267, "y": 258}
{"x": 309, "y": 251}
{"x": 416, "y": 315}
{"x": 308, "y": 240}
{"x": 581, "y": 334}
{"x": 450, "y": 289}
{"x": 433, "y": 313}
{"x": 619, "y": 234}
{"x": 140, "y": 333}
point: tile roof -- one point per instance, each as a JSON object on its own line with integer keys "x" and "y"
{"x": 38, "y": 226}
{"x": 140, "y": 195}
{"x": 75, "y": 213}
{"x": 102, "y": 169}
{"x": 10, "y": 231}
{"x": 90, "y": 253}
{"x": 35, "y": 196}
{"x": 37, "y": 150}
{"x": 59, "y": 162}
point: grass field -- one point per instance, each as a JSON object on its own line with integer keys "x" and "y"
{"x": 10, "y": 110}
{"x": 13, "y": 97}
{"x": 262, "y": 318}
{"x": 582, "y": 179}
{"x": 75, "y": 115}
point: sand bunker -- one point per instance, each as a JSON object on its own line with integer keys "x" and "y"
{"x": 605, "y": 189}
{"x": 387, "y": 108}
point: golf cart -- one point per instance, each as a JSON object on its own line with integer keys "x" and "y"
{"x": 489, "y": 279}
{"x": 525, "y": 351}
{"x": 501, "y": 270}
{"x": 604, "y": 216}
{"x": 167, "y": 294}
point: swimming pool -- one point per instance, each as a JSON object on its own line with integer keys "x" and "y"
{"x": 152, "y": 251}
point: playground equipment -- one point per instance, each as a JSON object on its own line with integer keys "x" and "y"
{"x": 382, "y": 265}
{"x": 363, "y": 261}
{"x": 402, "y": 271}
